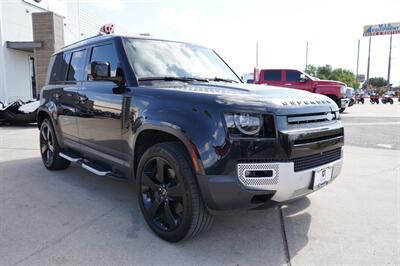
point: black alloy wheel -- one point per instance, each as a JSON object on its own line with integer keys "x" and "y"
{"x": 49, "y": 148}
{"x": 168, "y": 195}
{"x": 162, "y": 194}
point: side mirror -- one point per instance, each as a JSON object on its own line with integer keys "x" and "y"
{"x": 100, "y": 70}
{"x": 303, "y": 78}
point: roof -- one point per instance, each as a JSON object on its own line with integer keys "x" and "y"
{"x": 100, "y": 38}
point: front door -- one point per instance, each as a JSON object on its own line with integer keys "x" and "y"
{"x": 292, "y": 80}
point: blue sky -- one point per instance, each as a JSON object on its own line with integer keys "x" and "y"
{"x": 281, "y": 27}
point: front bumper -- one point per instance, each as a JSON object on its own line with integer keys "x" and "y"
{"x": 344, "y": 103}
{"x": 237, "y": 192}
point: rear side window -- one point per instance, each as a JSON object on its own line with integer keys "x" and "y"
{"x": 273, "y": 75}
{"x": 106, "y": 53}
{"x": 59, "y": 68}
{"x": 75, "y": 72}
{"x": 292, "y": 75}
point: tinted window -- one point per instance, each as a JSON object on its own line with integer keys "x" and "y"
{"x": 75, "y": 71}
{"x": 273, "y": 75}
{"x": 106, "y": 53}
{"x": 59, "y": 69}
{"x": 292, "y": 75}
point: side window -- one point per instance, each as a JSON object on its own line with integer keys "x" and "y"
{"x": 106, "y": 53}
{"x": 76, "y": 66}
{"x": 292, "y": 75}
{"x": 273, "y": 75}
{"x": 59, "y": 68}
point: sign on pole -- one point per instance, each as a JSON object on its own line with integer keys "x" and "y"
{"x": 382, "y": 29}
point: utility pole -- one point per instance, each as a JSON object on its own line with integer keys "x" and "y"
{"x": 390, "y": 63}
{"x": 306, "y": 56}
{"x": 358, "y": 60}
{"x": 256, "y": 55}
{"x": 369, "y": 61}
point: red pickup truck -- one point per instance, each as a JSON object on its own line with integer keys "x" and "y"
{"x": 296, "y": 79}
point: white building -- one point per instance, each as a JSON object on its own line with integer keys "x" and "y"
{"x": 17, "y": 57}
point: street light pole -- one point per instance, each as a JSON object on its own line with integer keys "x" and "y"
{"x": 306, "y": 56}
{"x": 390, "y": 63}
{"x": 369, "y": 61}
{"x": 358, "y": 60}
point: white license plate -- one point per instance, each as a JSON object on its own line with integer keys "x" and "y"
{"x": 322, "y": 177}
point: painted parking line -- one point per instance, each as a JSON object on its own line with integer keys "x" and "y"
{"x": 387, "y": 146}
{"x": 372, "y": 124}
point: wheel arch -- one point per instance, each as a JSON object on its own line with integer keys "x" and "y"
{"x": 151, "y": 134}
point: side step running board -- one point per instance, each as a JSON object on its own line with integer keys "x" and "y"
{"x": 91, "y": 167}
{"x": 70, "y": 157}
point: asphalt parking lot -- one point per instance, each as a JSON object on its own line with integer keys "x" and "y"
{"x": 75, "y": 217}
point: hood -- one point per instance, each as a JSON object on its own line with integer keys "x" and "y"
{"x": 242, "y": 96}
{"x": 330, "y": 82}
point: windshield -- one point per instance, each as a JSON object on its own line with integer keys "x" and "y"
{"x": 155, "y": 59}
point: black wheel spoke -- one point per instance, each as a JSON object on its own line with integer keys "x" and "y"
{"x": 170, "y": 219}
{"x": 43, "y": 148}
{"x": 160, "y": 164}
{"x": 147, "y": 181}
{"x": 44, "y": 134}
{"x": 176, "y": 190}
{"x": 154, "y": 208}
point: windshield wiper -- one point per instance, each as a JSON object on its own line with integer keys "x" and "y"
{"x": 222, "y": 79}
{"x": 167, "y": 78}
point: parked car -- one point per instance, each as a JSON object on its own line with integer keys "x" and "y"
{"x": 297, "y": 79}
{"x": 174, "y": 118}
{"x": 374, "y": 98}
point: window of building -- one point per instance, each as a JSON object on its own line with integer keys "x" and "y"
{"x": 76, "y": 66}
{"x": 292, "y": 75}
{"x": 106, "y": 53}
{"x": 273, "y": 75}
{"x": 59, "y": 68}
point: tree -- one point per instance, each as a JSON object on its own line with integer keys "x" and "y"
{"x": 338, "y": 74}
{"x": 311, "y": 70}
{"x": 377, "y": 82}
{"x": 324, "y": 72}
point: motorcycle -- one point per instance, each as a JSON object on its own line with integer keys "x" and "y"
{"x": 359, "y": 98}
{"x": 387, "y": 99}
{"x": 374, "y": 98}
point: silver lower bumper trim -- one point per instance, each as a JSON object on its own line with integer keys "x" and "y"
{"x": 287, "y": 183}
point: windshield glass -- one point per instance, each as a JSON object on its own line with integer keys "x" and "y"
{"x": 154, "y": 59}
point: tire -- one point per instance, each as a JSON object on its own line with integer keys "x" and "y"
{"x": 342, "y": 110}
{"x": 391, "y": 101}
{"x": 50, "y": 149}
{"x": 171, "y": 205}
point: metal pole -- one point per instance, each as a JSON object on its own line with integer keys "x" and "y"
{"x": 306, "y": 55}
{"x": 358, "y": 60}
{"x": 390, "y": 63}
{"x": 256, "y": 55}
{"x": 369, "y": 61}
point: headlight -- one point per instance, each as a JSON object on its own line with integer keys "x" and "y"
{"x": 243, "y": 124}
{"x": 343, "y": 89}
{"x": 250, "y": 125}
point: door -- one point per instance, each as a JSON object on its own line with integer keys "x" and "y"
{"x": 64, "y": 95}
{"x": 292, "y": 80}
{"x": 100, "y": 110}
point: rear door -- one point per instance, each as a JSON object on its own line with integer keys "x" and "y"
{"x": 64, "y": 95}
{"x": 100, "y": 110}
{"x": 292, "y": 80}
{"x": 272, "y": 77}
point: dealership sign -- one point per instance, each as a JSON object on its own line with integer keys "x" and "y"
{"x": 381, "y": 29}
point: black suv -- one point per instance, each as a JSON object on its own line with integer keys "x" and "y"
{"x": 177, "y": 120}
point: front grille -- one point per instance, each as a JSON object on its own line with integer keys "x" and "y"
{"x": 305, "y": 162}
{"x": 311, "y": 118}
{"x": 311, "y": 161}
